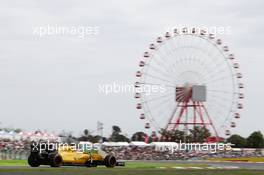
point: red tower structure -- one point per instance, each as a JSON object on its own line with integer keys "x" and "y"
{"x": 190, "y": 109}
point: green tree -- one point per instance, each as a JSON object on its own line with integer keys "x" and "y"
{"x": 88, "y": 137}
{"x": 153, "y": 137}
{"x": 18, "y": 130}
{"x": 138, "y": 136}
{"x": 198, "y": 134}
{"x": 94, "y": 139}
{"x": 116, "y": 136}
{"x": 116, "y": 129}
{"x": 171, "y": 135}
{"x": 237, "y": 140}
{"x": 86, "y": 132}
{"x": 255, "y": 140}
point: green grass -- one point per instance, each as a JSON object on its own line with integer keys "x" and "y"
{"x": 13, "y": 162}
{"x": 133, "y": 165}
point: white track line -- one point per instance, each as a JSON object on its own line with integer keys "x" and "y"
{"x": 201, "y": 168}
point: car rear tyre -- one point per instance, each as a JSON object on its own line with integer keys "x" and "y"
{"x": 33, "y": 160}
{"x": 55, "y": 160}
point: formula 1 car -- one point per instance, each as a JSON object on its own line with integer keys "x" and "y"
{"x": 57, "y": 155}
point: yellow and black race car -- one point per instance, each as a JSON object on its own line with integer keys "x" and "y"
{"x": 56, "y": 155}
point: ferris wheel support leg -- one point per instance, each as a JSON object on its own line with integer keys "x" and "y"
{"x": 194, "y": 113}
{"x": 201, "y": 114}
{"x": 183, "y": 108}
{"x": 172, "y": 117}
{"x": 211, "y": 121}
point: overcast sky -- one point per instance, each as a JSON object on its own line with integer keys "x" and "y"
{"x": 51, "y": 82}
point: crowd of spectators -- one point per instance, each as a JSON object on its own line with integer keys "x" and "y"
{"x": 14, "y": 149}
{"x": 150, "y": 153}
{"x": 19, "y": 149}
{"x": 16, "y": 145}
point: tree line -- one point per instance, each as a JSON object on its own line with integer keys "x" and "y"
{"x": 195, "y": 135}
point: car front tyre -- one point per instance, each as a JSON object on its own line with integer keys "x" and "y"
{"x": 110, "y": 161}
